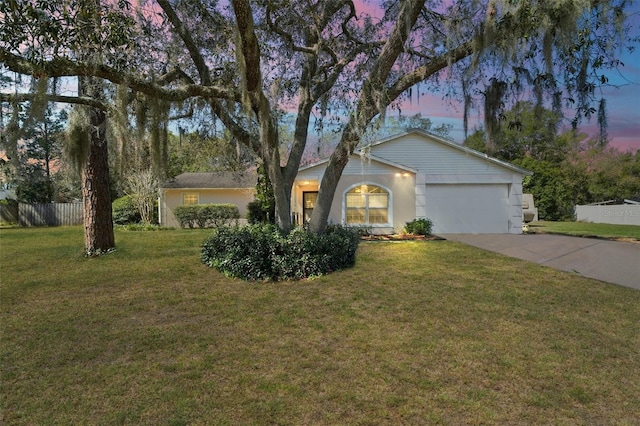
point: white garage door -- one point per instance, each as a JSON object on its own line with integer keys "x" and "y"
{"x": 478, "y": 209}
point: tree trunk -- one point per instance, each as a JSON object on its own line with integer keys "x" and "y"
{"x": 98, "y": 221}
{"x": 271, "y": 159}
{"x": 373, "y": 99}
{"x": 331, "y": 177}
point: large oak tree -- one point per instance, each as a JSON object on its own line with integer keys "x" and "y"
{"x": 326, "y": 61}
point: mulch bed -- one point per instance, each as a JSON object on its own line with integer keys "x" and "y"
{"x": 402, "y": 237}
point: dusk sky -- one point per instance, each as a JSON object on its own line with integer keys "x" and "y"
{"x": 623, "y": 103}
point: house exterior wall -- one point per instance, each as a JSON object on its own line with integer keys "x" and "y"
{"x": 400, "y": 184}
{"x": 439, "y": 164}
{"x": 401, "y": 199}
{"x": 172, "y": 198}
{"x": 464, "y": 191}
{"x": 431, "y": 157}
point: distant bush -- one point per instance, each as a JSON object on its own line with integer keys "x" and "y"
{"x": 206, "y": 215}
{"x": 142, "y": 227}
{"x": 262, "y": 252}
{"x": 8, "y": 211}
{"x": 125, "y": 211}
{"x": 421, "y": 226}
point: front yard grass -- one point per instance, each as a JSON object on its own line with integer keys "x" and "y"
{"x": 421, "y": 332}
{"x": 587, "y": 229}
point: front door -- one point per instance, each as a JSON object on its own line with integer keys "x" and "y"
{"x": 308, "y": 203}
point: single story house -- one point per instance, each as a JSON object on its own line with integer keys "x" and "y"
{"x": 400, "y": 178}
{"x": 237, "y": 188}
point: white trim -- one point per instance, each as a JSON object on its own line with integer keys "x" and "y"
{"x": 389, "y": 223}
{"x": 356, "y": 154}
{"x": 389, "y": 163}
{"x": 461, "y": 178}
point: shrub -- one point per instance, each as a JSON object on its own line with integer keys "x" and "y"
{"x": 220, "y": 214}
{"x": 8, "y": 211}
{"x": 421, "y": 226}
{"x": 142, "y": 227}
{"x": 361, "y": 230}
{"x": 205, "y": 215}
{"x": 125, "y": 211}
{"x": 186, "y": 215}
{"x": 257, "y": 213}
{"x": 243, "y": 252}
{"x": 262, "y": 252}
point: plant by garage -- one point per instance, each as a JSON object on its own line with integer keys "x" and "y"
{"x": 419, "y": 226}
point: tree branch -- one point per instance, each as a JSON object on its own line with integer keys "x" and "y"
{"x": 234, "y": 128}
{"x": 185, "y": 35}
{"x": 82, "y": 100}
{"x": 425, "y": 71}
{"x": 62, "y": 67}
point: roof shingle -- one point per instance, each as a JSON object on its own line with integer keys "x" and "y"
{"x": 226, "y": 180}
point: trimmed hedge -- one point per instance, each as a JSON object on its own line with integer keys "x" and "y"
{"x": 206, "y": 215}
{"x": 421, "y": 226}
{"x": 262, "y": 252}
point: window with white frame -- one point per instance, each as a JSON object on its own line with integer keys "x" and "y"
{"x": 368, "y": 205}
{"x": 190, "y": 198}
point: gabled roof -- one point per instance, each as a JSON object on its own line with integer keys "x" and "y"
{"x": 434, "y": 138}
{"x": 222, "y": 180}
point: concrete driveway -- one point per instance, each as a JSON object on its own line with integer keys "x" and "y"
{"x": 610, "y": 261}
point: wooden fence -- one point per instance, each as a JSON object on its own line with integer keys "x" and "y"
{"x": 50, "y": 214}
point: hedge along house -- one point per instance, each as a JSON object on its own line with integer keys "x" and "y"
{"x": 415, "y": 175}
{"x": 237, "y": 188}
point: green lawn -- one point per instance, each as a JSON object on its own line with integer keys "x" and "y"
{"x": 586, "y": 229}
{"x": 416, "y": 333}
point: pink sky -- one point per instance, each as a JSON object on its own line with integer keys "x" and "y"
{"x": 623, "y": 100}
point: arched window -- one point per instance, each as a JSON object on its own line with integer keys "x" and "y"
{"x": 367, "y": 204}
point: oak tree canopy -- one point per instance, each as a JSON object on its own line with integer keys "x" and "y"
{"x": 333, "y": 63}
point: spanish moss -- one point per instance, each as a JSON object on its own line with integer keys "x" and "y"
{"x": 78, "y": 140}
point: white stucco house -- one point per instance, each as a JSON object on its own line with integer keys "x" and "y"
{"x": 403, "y": 177}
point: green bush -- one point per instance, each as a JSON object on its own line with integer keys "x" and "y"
{"x": 257, "y": 213}
{"x": 142, "y": 227}
{"x": 421, "y": 226}
{"x": 186, "y": 215}
{"x": 125, "y": 211}
{"x": 262, "y": 252}
{"x": 220, "y": 214}
{"x": 206, "y": 215}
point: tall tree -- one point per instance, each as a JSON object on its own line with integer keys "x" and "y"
{"x": 96, "y": 196}
{"x": 328, "y": 58}
{"x": 35, "y": 153}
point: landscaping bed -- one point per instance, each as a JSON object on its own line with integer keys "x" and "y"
{"x": 402, "y": 237}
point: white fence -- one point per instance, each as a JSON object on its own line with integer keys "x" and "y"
{"x": 625, "y": 214}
